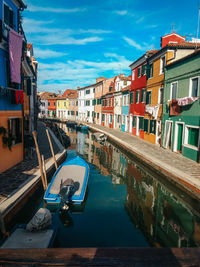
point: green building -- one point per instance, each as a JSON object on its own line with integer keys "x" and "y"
{"x": 181, "y": 109}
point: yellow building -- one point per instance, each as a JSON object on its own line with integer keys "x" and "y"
{"x": 62, "y": 108}
{"x": 173, "y": 48}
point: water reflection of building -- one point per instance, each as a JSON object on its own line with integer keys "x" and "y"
{"x": 89, "y": 147}
{"x": 81, "y": 143}
{"x": 158, "y": 213}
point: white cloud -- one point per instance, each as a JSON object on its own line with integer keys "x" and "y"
{"x": 120, "y": 12}
{"x": 138, "y": 46}
{"x": 33, "y": 8}
{"x": 79, "y": 72}
{"x": 47, "y": 53}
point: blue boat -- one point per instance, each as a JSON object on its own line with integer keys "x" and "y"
{"x": 82, "y": 127}
{"x": 69, "y": 183}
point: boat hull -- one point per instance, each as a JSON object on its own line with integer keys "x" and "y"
{"x": 74, "y": 167}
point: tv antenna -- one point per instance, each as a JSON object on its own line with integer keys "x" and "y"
{"x": 173, "y": 27}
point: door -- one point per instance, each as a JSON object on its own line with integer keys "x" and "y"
{"x": 167, "y": 135}
{"x": 179, "y": 137}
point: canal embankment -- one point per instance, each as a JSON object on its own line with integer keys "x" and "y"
{"x": 20, "y": 182}
{"x": 180, "y": 171}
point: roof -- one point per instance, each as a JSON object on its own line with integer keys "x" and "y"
{"x": 68, "y": 91}
{"x": 21, "y": 3}
{"x": 94, "y": 84}
{"x": 141, "y": 59}
{"x": 73, "y": 95}
{"x": 46, "y": 95}
{"x": 196, "y": 52}
{"x": 182, "y": 45}
{"x": 173, "y": 33}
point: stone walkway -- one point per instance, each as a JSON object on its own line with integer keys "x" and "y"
{"x": 12, "y": 179}
{"x": 174, "y": 163}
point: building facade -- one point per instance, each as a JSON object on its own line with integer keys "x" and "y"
{"x": 181, "y": 111}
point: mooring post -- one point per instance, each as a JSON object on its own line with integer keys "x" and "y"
{"x": 44, "y": 171}
{"x": 39, "y": 159}
{"x": 52, "y": 152}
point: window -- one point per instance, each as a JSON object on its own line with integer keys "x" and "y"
{"x": 76, "y": 113}
{"x": 137, "y": 96}
{"x": 134, "y": 121}
{"x": 161, "y": 95}
{"x": 93, "y": 90}
{"x": 110, "y": 88}
{"x": 194, "y": 85}
{"x": 97, "y": 115}
{"x": 87, "y": 92}
{"x": 148, "y": 97}
{"x": 58, "y": 104}
{"x": 125, "y": 82}
{"x": 94, "y": 102}
{"x": 153, "y": 126}
{"x": 143, "y": 95}
{"x": 93, "y": 114}
{"x": 54, "y": 103}
{"x": 146, "y": 125}
{"x": 103, "y": 117}
{"x": 133, "y": 75}
{"x": 124, "y": 100}
{"x": 131, "y": 98}
{"x": 87, "y": 102}
{"x": 8, "y": 16}
{"x": 88, "y": 114}
{"x": 110, "y": 118}
{"x": 192, "y": 136}
{"x": 151, "y": 70}
{"x": 139, "y": 72}
{"x": 64, "y": 104}
{"x": 123, "y": 119}
{"x": 15, "y": 130}
{"x": 143, "y": 69}
{"x": 48, "y": 103}
{"x": 119, "y": 119}
{"x": 162, "y": 65}
{"x": 141, "y": 123}
{"x": 174, "y": 88}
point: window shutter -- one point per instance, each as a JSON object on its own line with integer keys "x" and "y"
{"x": 146, "y": 125}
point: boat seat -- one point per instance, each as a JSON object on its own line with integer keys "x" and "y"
{"x": 74, "y": 172}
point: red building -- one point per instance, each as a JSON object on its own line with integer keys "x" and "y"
{"x": 138, "y": 94}
{"x": 52, "y": 107}
{"x": 108, "y": 107}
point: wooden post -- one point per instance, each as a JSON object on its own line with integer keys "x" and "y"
{"x": 52, "y": 152}
{"x": 39, "y": 159}
{"x": 44, "y": 171}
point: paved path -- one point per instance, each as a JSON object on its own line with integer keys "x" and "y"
{"x": 13, "y": 178}
{"x": 181, "y": 167}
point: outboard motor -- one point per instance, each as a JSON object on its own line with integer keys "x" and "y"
{"x": 66, "y": 193}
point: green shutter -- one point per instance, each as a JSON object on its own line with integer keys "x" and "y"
{"x": 143, "y": 69}
{"x": 141, "y": 123}
{"x": 146, "y": 125}
{"x": 193, "y": 137}
{"x": 134, "y": 121}
{"x": 139, "y": 71}
{"x": 131, "y": 98}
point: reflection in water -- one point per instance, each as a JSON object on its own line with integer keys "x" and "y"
{"x": 164, "y": 218}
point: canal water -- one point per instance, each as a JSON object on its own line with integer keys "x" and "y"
{"x": 126, "y": 205}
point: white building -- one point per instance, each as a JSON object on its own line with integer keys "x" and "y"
{"x": 120, "y": 83}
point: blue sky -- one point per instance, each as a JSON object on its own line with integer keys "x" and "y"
{"x": 77, "y": 41}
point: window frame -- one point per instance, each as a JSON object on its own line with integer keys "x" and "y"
{"x": 137, "y": 97}
{"x": 159, "y": 95}
{"x": 175, "y": 82}
{"x": 133, "y": 75}
{"x": 190, "y": 86}
{"x": 187, "y": 127}
{"x": 162, "y": 64}
{"x": 139, "y": 72}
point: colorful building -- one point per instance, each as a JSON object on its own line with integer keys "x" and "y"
{"x": 181, "y": 109}
{"x": 98, "y": 94}
{"x": 73, "y": 105}
{"x": 125, "y": 109}
{"x": 138, "y": 95}
{"x": 120, "y": 82}
{"x": 52, "y": 107}
{"x": 62, "y": 108}
{"x": 108, "y": 107}
{"x": 11, "y": 93}
{"x": 171, "y": 50}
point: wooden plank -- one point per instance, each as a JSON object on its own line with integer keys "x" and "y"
{"x": 101, "y": 257}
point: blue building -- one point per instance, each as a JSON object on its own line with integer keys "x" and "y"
{"x": 125, "y": 109}
{"x": 11, "y": 97}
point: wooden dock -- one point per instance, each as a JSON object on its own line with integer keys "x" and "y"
{"x": 140, "y": 257}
